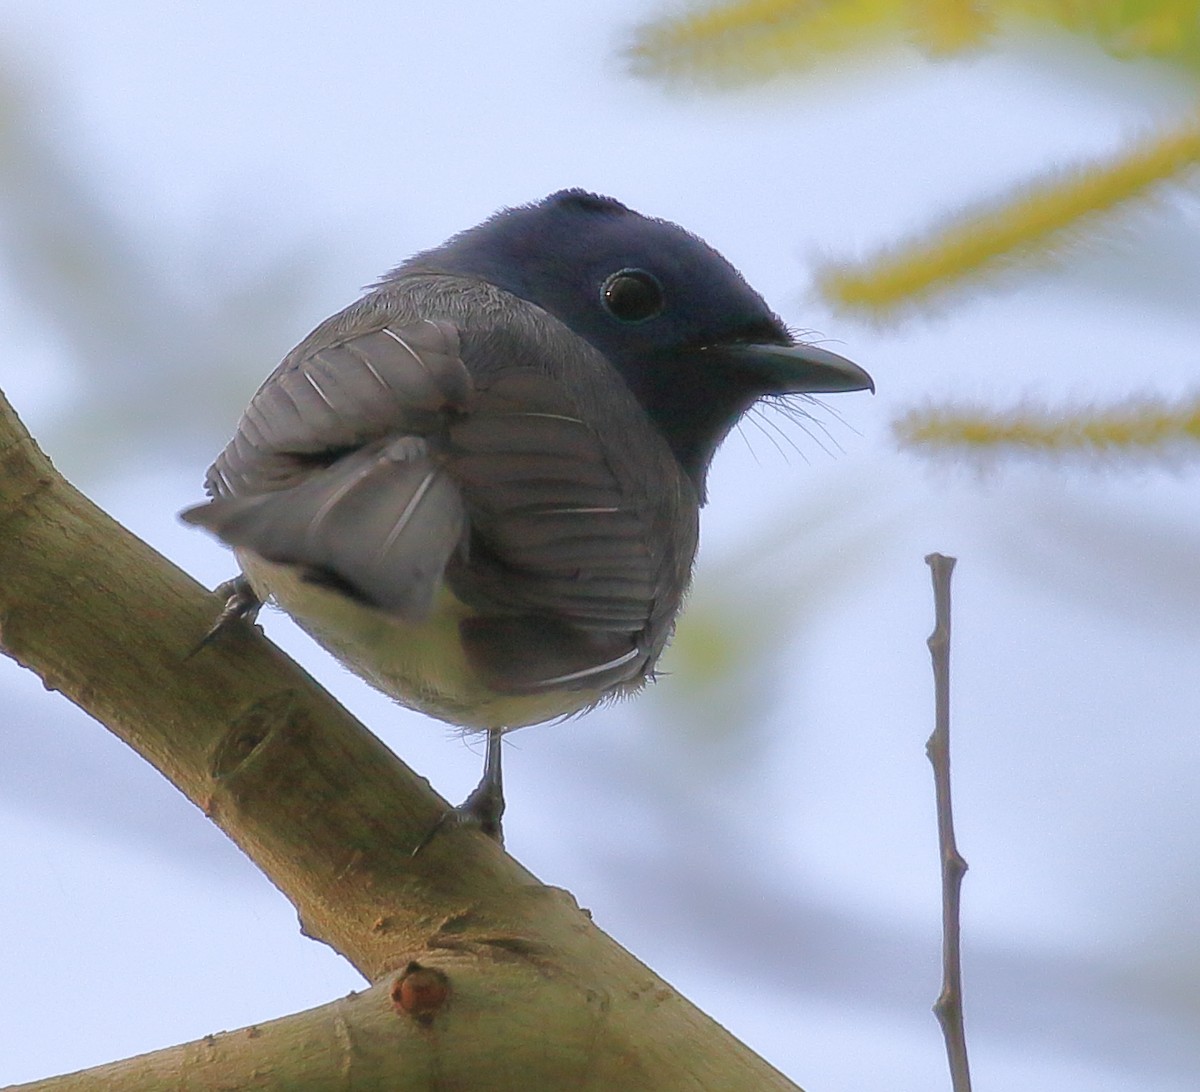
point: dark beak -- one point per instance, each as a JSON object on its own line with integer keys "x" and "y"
{"x": 796, "y": 369}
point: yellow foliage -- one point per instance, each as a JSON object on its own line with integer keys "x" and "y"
{"x": 754, "y": 38}
{"x": 1167, "y": 29}
{"x": 941, "y": 28}
{"x": 1027, "y": 223}
{"x": 1136, "y": 427}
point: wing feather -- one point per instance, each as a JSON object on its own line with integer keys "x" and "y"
{"x": 380, "y": 523}
{"x": 331, "y": 468}
{"x": 487, "y": 447}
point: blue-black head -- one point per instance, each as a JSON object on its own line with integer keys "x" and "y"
{"x": 695, "y": 343}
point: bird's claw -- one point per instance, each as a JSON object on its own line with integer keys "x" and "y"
{"x": 241, "y": 602}
{"x": 483, "y": 809}
{"x": 479, "y": 810}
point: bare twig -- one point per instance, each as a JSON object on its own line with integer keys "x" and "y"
{"x": 948, "y": 1007}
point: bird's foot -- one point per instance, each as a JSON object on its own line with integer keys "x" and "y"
{"x": 481, "y": 810}
{"x": 241, "y": 602}
{"x": 484, "y": 808}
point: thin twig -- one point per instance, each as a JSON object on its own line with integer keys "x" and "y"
{"x": 948, "y": 1008}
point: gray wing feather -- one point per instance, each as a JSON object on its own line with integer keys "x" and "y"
{"x": 380, "y": 524}
{"x": 563, "y": 534}
{"x": 397, "y": 379}
{"x": 388, "y": 452}
{"x": 329, "y": 470}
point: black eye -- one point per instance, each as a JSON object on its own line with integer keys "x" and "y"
{"x": 633, "y": 295}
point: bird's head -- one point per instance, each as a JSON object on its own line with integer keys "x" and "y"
{"x": 693, "y": 341}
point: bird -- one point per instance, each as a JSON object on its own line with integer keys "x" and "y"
{"x": 479, "y": 485}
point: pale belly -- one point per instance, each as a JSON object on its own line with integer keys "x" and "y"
{"x": 422, "y": 665}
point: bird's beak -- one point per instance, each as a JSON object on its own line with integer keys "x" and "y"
{"x": 797, "y": 369}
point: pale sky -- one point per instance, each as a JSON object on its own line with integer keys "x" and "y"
{"x": 769, "y": 850}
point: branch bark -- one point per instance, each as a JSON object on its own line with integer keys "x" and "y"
{"x": 949, "y": 1006}
{"x": 538, "y": 996}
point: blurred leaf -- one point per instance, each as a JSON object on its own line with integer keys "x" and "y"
{"x": 941, "y": 28}
{"x": 1034, "y": 222}
{"x": 1147, "y": 258}
{"x": 1134, "y": 429}
{"x": 752, "y": 40}
{"x": 1164, "y": 29}
{"x": 155, "y": 360}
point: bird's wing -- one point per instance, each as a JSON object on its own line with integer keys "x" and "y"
{"x": 334, "y": 394}
{"x": 555, "y": 528}
{"x": 332, "y": 470}
{"x": 464, "y": 447}
{"x": 573, "y": 564}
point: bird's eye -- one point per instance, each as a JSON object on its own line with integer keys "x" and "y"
{"x": 633, "y": 295}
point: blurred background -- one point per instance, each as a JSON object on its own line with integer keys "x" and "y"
{"x": 185, "y": 190}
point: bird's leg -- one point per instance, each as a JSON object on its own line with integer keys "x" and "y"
{"x": 485, "y": 806}
{"x": 241, "y": 601}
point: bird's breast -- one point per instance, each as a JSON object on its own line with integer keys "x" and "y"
{"x": 424, "y": 665}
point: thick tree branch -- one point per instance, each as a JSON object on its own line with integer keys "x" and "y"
{"x": 373, "y": 1040}
{"x": 331, "y": 815}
